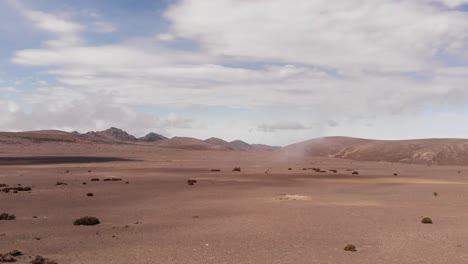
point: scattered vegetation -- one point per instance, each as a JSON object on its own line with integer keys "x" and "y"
{"x": 10, "y": 256}
{"x": 191, "y": 182}
{"x": 87, "y": 220}
{"x": 112, "y": 179}
{"x": 435, "y": 194}
{"x": 42, "y": 260}
{"x": 236, "y": 169}
{"x": 426, "y": 220}
{"x": 355, "y": 173}
{"x": 5, "y": 216}
{"x": 334, "y": 171}
{"x": 3, "y": 185}
{"x": 95, "y": 179}
{"x": 215, "y": 170}
{"x": 350, "y": 247}
{"x": 60, "y": 183}
{"x": 16, "y": 189}
{"x": 15, "y": 253}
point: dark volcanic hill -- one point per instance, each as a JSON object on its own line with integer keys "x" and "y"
{"x": 239, "y": 145}
{"x": 117, "y": 134}
{"x": 152, "y": 137}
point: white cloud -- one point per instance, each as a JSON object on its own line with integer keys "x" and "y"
{"x": 318, "y": 62}
{"x": 453, "y": 3}
{"x": 349, "y": 35}
{"x": 165, "y": 37}
{"x": 51, "y": 23}
{"x": 281, "y": 126}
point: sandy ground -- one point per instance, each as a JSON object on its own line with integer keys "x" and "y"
{"x": 285, "y": 216}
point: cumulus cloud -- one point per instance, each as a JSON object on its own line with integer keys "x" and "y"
{"x": 347, "y": 35}
{"x": 320, "y": 62}
{"x": 281, "y": 126}
{"x": 65, "y": 109}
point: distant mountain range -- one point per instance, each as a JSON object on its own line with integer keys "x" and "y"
{"x": 120, "y": 135}
{"x": 116, "y": 134}
{"x": 447, "y": 151}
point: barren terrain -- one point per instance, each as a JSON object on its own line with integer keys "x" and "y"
{"x": 296, "y": 215}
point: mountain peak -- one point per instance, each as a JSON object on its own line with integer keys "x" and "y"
{"x": 152, "y": 137}
{"x": 117, "y": 133}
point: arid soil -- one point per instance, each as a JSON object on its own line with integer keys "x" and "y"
{"x": 283, "y": 216}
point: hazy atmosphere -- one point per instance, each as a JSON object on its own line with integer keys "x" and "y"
{"x": 263, "y": 71}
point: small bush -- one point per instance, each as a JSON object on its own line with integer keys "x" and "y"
{"x": 350, "y": 247}
{"x": 89, "y": 194}
{"x": 334, "y": 171}
{"x": 3, "y": 185}
{"x": 191, "y": 182}
{"x": 215, "y": 170}
{"x": 5, "y": 216}
{"x": 87, "y": 220}
{"x": 95, "y": 179}
{"x": 15, "y": 253}
{"x": 289, "y": 168}
{"x": 60, "y": 183}
{"x": 7, "y": 258}
{"x": 395, "y": 174}
{"x": 16, "y": 189}
{"x": 355, "y": 173}
{"x": 426, "y": 220}
{"x": 10, "y": 256}
{"x": 236, "y": 169}
{"x": 42, "y": 260}
{"x": 435, "y": 194}
{"x": 112, "y": 179}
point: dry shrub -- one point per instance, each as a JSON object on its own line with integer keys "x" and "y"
{"x": 112, "y": 179}
{"x": 191, "y": 182}
{"x": 5, "y": 216}
{"x": 236, "y": 169}
{"x": 42, "y": 260}
{"x": 350, "y": 247}
{"x": 87, "y": 220}
{"x": 426, "y": 220}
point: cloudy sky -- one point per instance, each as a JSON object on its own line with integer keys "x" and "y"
{"x": 263, "y": 71}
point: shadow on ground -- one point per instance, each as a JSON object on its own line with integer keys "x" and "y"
{"x": 37, "y": 160}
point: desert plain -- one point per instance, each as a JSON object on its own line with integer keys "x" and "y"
{"x": 277, "y": 209}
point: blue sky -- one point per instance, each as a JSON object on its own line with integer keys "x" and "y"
{"x": 260, "y": 71}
